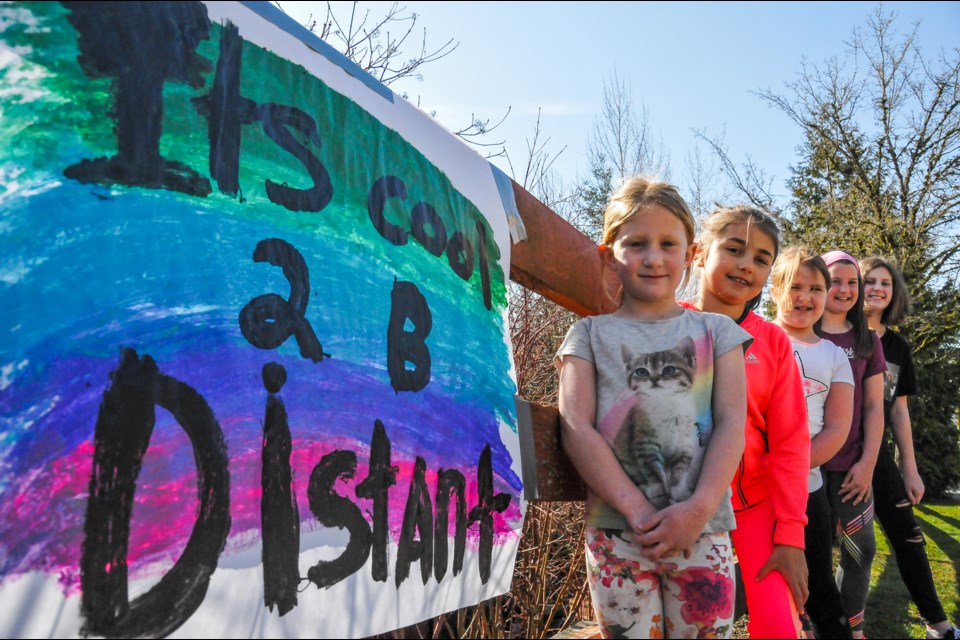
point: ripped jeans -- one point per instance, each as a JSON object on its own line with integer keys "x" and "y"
{"x": 893, "y": 510}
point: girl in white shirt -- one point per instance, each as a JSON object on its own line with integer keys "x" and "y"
{"x": 800, "y": 282}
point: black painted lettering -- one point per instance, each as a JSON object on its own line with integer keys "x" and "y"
{"x": 124, "y": 425}
{"x": 488, "y": 503}
{"x": 428, "y": 228}
{"x": 140, "y": 45}
{"x": 460, "y": 255}
{"x": 380, "y": 477}
{"x": 382, "y": 190}
{"x": 276, "y": 118}
{"x": 279, "y": 516}
{"x": 416, "y": 532}
{"x": 226, "y": 112}
{"x": 268, "y": 320}
{"x": 333, "y": 510}
{"x": 407, "y": 303}
{"x": 423, "y": 216}
{"x": 449, "y": 481}
{"x": 484, "y": 264}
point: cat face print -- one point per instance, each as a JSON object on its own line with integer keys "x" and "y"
{"x": 668, "y": 371}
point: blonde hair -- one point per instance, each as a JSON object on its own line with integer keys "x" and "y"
{"x": 785, "y": 272}
{"x": 722, "y": 217}
{"x": 634, "y": 197}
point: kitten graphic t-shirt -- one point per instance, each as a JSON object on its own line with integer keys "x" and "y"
{"x": 654, "y": 390}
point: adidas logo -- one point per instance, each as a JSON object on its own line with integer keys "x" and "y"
{"x": 752, "y": 357}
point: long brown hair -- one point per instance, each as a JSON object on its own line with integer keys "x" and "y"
{"x": 900, "y": 303}
{"x": 722, "y": 217}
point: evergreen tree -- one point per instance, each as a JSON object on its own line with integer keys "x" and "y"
{"x": 879, "y": 173}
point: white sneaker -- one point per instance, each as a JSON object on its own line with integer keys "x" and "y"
{"x": 953, "y": 633}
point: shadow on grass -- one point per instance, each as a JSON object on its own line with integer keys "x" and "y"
{"x": 948, "y": 543}
{"x": 929, "y": 512}
{"x": 888, "y": 612}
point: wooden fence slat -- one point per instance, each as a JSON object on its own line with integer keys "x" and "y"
{"x": 563, "y": 265}
{"x": 548, "y": 474}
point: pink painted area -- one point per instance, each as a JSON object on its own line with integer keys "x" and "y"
{"x": 47, "y": 515}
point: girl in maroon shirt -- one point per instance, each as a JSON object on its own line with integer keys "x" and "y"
{"x": 849, "y": 474}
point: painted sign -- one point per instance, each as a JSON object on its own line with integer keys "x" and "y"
{"x": 255, "y": 374}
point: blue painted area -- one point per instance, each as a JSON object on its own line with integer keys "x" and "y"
{"x": 88, "y": 269}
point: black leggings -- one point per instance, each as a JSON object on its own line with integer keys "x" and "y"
{"x": 857, "y": 547}
{"x": 824, "y": 605}
{"x": 893, "y": 509}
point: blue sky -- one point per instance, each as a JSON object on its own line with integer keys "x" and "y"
{"x": 693, "y": 64}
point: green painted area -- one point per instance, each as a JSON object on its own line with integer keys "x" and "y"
{"x": 67, "y": 116}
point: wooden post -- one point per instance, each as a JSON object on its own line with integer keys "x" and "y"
{"x": 563, "y": 265}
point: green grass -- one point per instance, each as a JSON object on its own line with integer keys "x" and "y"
{"x": 890, "y": 611}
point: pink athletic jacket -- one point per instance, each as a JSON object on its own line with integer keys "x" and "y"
{"x": 776, "y": 459}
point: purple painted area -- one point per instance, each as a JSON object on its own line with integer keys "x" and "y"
{"x": 331, "y": 405}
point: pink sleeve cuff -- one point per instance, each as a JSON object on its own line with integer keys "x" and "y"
{"x": 789, "y": 533}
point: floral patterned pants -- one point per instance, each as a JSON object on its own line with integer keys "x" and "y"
{"x": 680, "y": 596}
